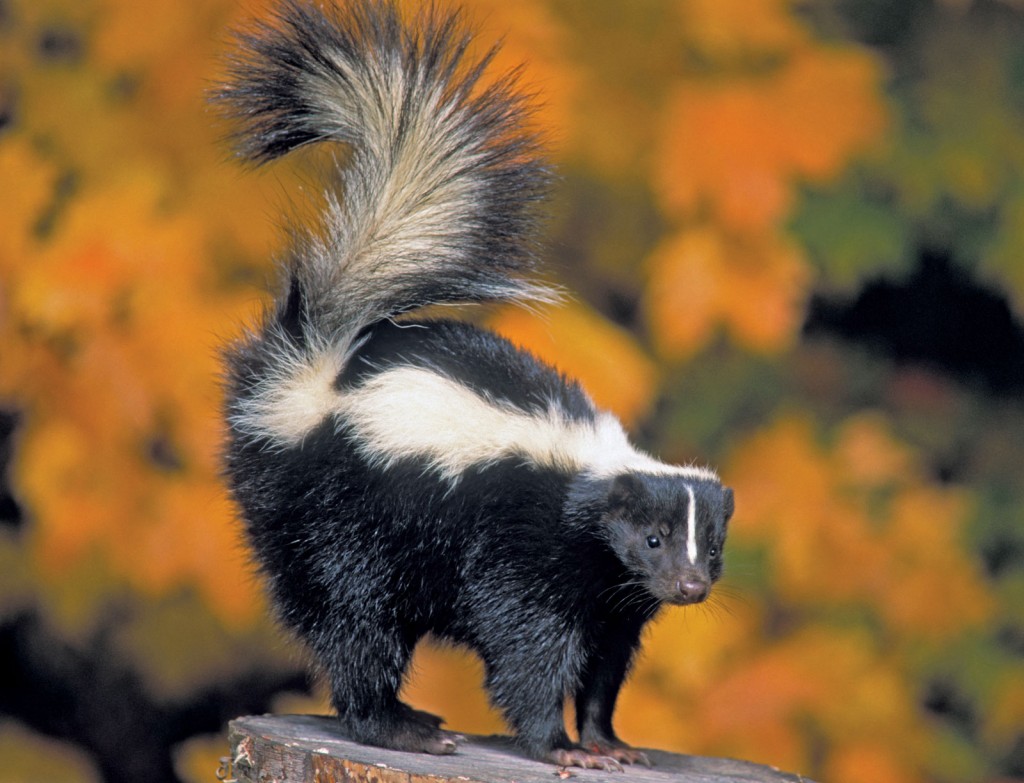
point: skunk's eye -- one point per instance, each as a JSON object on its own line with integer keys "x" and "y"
{"x": 713, "y": 552}
{"x": 653, "y": 542}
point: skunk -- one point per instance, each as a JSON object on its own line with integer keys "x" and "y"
{"x": 399, "y": 477}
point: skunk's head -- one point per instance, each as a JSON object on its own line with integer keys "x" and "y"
{"x": 669, "y": 531}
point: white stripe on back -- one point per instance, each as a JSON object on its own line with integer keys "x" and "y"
{"x": 414, "y": 412}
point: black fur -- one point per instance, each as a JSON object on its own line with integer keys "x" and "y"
{"x": 550, "y": 574}
{"x": 547, "y": 576}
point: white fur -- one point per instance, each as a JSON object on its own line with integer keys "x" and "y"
{"x": 302, "y": 402}
{"x": 414, "y": 412}
{"x": 413, "y": 188}
{"x": 691, "y": 527}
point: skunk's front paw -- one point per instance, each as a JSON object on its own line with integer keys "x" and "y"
{"x": 579, "y": 757}
{"x": 620, "y": 751}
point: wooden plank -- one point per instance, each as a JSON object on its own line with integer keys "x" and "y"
{"x": 308, "y": 749}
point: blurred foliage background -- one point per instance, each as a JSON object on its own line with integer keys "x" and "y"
{"x": 795, "y": 229}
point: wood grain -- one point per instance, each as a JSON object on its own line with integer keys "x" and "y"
{"x": 307, "y": 748}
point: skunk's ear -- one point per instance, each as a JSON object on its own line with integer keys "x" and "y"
{"x": 625, "y": 491}
{"x": 728, "y": 503}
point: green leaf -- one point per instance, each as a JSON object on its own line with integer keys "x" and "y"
{"x": 851, "y": 237}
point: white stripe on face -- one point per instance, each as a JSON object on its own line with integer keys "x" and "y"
{"x": 691, "y": 527}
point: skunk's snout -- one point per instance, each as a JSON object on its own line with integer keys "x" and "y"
{"x": 691, "y": 590}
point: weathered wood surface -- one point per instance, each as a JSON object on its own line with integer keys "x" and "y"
{"x": 308, "y": 749}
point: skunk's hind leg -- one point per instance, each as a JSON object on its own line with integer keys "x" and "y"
{"x": 422, "y": 716}
{"x": 366, "y": 667}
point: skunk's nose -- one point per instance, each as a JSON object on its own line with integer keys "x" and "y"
{"x": 692, "y": 591}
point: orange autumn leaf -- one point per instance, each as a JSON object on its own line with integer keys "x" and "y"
{"x": 134, "y": 33}
{"x": 858, "y": 763}
{"x": 117, "y": 352}
{"x": 753, "y": 707}
{"x": 764, "y": 498}
{"x": 867, "y": 453}
{"x": 607, "y": 361}
{"x": 732, "y": 27}
{"x": 533, "y": 39}
{"x": 739, "y": 145}
{"x": 647, "y": 718}
{"x": 109, "y": 322}
{"x": 833, "y": 540}
{"x": 703, "y": 278}
{"x": 116, "y": 322}
{"x": 657, "y": 705}
{"x": 821, "y": 547}
{"x": 760, "y": 707}
{"x": 533, "y": 42}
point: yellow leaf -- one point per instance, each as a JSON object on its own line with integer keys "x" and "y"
{"x": 710, "y": 640}
{"x": 464, "y": 708}
{"x": 1003, "y": 721}
{"x": 923, "y": 535}
{"x": 32, "y": 758}
{"x": 647, "y": 718}
{"x": 197, "y": 759}
{"x": 733, "y": 27}
{"x": 21, "y": 206}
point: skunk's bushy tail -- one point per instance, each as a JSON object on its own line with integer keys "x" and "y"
{"x": 436, "y": 196}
